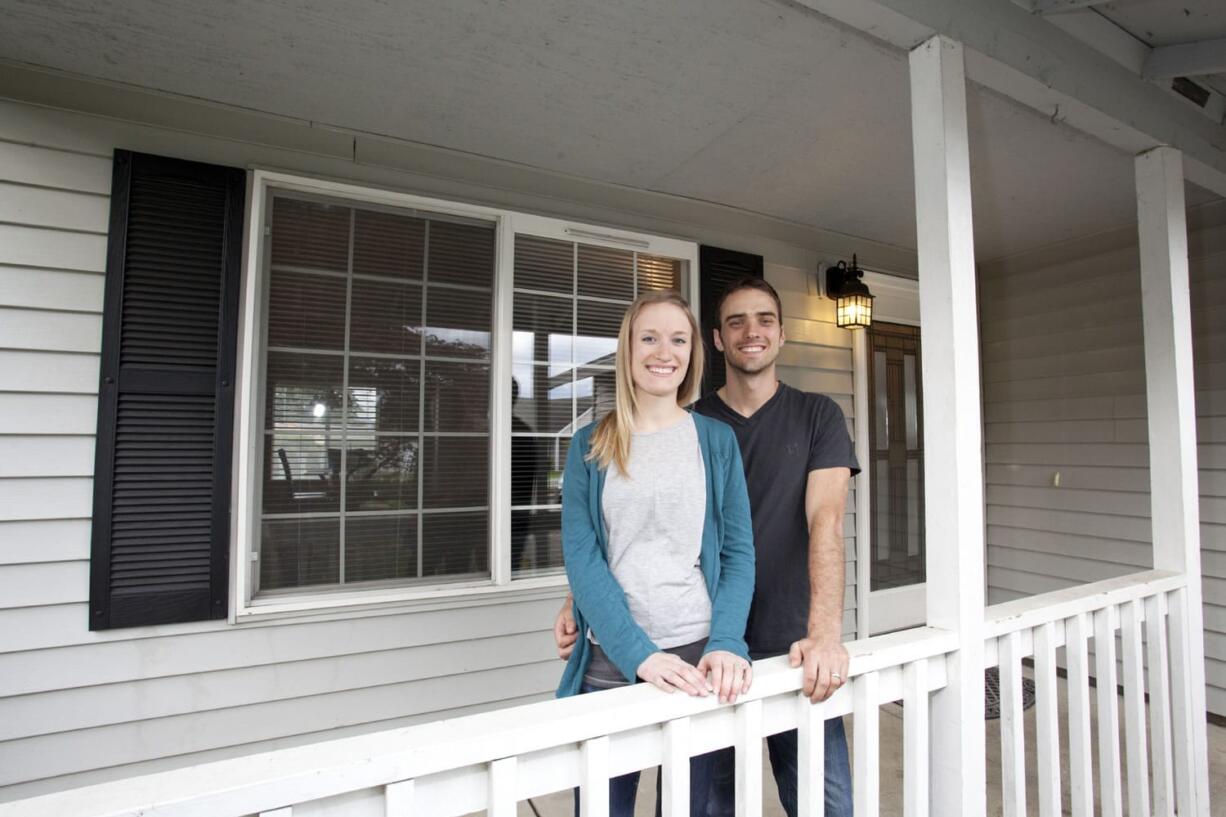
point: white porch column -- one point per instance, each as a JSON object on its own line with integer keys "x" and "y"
{"x": 1170, "y": 392}
{"x": 953, "y": 460}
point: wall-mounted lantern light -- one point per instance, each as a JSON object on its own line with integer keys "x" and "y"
{"x": 853, "y": 301}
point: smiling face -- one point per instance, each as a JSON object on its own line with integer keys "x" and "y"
{"x": 660, "y": 346}
{"x": 750, "y": 333}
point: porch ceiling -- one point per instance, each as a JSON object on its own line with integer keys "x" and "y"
{"x": 762, "y": 105}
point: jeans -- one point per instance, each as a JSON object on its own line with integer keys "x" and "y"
{"x": 622, "y": 790}
{"x": 782, "y": 750}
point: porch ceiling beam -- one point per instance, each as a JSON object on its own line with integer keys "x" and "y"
{"x": 1062, "y": 6}
{"x": 1187, "y": 60}
{"x": 1027, "y": 58}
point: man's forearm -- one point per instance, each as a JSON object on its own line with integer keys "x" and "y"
{"x": 826, "y": 582}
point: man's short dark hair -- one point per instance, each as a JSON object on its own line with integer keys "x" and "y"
{"x": 746, "y": 282}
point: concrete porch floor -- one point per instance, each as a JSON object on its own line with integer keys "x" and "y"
{"x": 561, "y": 804}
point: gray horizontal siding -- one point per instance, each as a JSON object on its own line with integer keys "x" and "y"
{"x": 1064, "y": 393}
{"x": 817, "y": 357}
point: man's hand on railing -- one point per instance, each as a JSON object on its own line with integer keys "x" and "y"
{"x": 730, "y": 674}
{"x": 669, "y": 673}
{"x": 825, "y": 661}
{"x": 565, "y": 633}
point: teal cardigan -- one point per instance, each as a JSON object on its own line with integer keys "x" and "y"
{"x": 726, "y": 557}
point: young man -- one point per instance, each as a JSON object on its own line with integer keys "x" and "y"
{"x": 798, "y": 462}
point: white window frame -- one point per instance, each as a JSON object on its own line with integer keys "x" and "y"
{"x": 249, "y": 427}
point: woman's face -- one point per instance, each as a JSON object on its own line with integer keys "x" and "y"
{"x": 660, "y": 342}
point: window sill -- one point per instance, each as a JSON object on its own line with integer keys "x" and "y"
{"x": 355, "y": 604}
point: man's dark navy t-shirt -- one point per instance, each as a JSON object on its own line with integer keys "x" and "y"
{"x": 792, "y": 434}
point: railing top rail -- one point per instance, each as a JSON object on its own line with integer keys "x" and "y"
{"x": 1023, "y": 614}
{"x": 258, "y": 782}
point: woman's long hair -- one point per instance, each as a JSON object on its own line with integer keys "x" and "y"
{"x": 610, "y": 442}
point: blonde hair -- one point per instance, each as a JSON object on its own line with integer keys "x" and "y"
{"x": 610, "y": 443}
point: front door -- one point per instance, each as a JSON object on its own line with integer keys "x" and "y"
{"x": 896, "y": 478}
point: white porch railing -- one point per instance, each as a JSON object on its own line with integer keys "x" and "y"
{"x": 493, "y": 760}
{"x": 1072, "y": 618}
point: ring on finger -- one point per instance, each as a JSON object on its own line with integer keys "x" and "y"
{"x": 836, "y": 677}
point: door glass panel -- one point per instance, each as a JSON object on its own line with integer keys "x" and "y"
{"x": 896, "y": 440}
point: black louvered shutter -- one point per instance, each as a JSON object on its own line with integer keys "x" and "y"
{"x": 717, "y": 268}
{"x": 161, "y": 525}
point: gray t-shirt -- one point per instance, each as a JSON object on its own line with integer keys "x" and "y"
{"x": 654, "y": 517}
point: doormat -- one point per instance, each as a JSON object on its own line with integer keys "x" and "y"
{"x": 991, "y": 693}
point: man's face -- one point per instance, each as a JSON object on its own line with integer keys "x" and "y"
{"x": 750, "y": 333}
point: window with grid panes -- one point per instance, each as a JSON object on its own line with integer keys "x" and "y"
{"x": 376, "y": 392}
{"x": 569, "y": 299}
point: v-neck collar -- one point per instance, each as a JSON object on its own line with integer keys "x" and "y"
{"x": 741, "y": 419}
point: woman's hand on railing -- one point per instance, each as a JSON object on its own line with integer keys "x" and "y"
{"x": 565, "y": 633}
{"x": 669, "y": 673}
{"x": 730, "y": 674}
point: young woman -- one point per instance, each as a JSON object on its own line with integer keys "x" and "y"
{"x": 656, "y": 533}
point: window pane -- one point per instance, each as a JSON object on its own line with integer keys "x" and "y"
{"x": 299, "y": 552}
{"x": 458, "y": 323}
{"x": 303, "y": 392}
{"x": 544, "y": 327}
{"x": 457, "y": 396}
{"x": 455, "y": 472}
{"x": 462, "y": 253}
{"x": 536, "y": 541}
{"x": 382, "y": 474}
{"x": 911, "y": 394}
{"x": 310, "y": 234}
{"x": 528, "y": 476}
{"x": 455, "y": 544}
{"x": 880, "y": 408}
{"x": 545, "y": 264}
{"x": 606, "y": 273}
{"x": 386, "y": 318}
{"x": 544, "y": 402}
{"x": 380, "y": 547}
{"x": 596, "y": 394}
{"x": 301, "y": 473}
{"x": 388, "y": 244}
{"x": 596, "y": 341}
{"x": 656, "y": 272}
{"x": 306, "y": 311}
{"x": 384, "y": 394}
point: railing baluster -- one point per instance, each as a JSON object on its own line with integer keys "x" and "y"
{"x": 502, "y": 788}
{"x": 1134, "y": 710}
{"x": 810, "y": 759}
{"x": 915, "y": 739}
{"x": 1181, "y": 707}
{"x": 1047, "y": 715}
{"x": 594, "y": 785}
{"x": 1081, "y": 781}
{"x": 1159, "y": 706}
{"x": 398, "y": 799}
{"x": 749, "y": 759}
{"x": 1110, "y": 791}
{"x": 675, "y": 794}
{"x": 1012, "y": 727}
{"x": 866, "y": 785}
